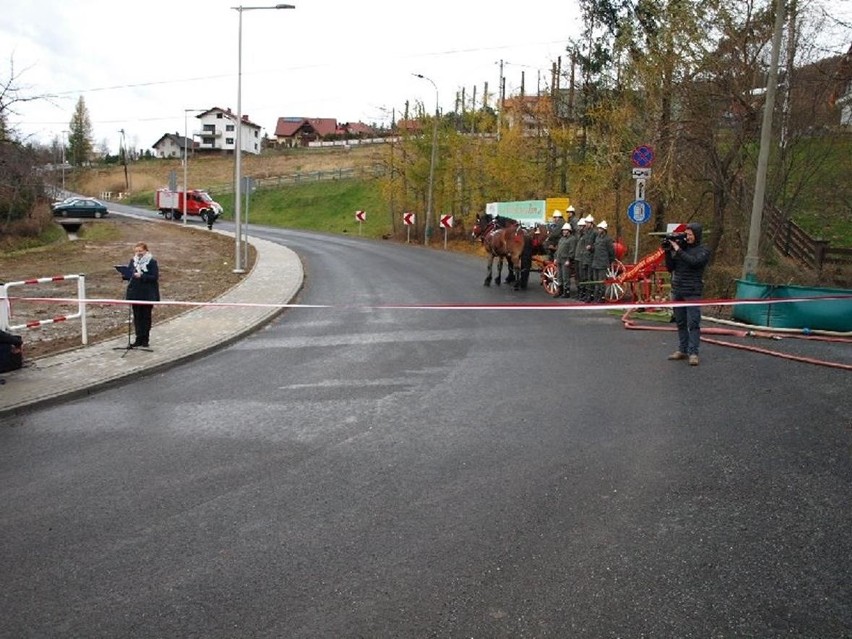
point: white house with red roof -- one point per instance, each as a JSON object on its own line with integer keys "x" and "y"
{"x": 300, "y": 131}
{"x": 217, "y": 131}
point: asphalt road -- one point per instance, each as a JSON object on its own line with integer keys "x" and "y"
{"x": 356, "y": 470}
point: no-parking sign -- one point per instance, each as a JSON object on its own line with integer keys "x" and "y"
{"x": 642, "y": 156}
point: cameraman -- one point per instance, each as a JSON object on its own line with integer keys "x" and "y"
{"x": 686, "y": 259}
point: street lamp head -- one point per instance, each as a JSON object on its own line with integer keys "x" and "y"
{"x": 285, "y": 6}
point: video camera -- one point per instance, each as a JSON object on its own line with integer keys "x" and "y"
{"x": 673, "y": 238}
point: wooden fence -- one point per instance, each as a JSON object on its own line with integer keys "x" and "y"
{"x": 792, "y": 240}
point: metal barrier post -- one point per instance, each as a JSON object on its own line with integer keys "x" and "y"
{"x": 81, "y": 296}
{"x": 4, "y": 308}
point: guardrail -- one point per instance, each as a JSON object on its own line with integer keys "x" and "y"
{"x": 6, "y": 307}
{"x": 792, "y": 240}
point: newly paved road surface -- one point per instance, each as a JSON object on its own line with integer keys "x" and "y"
{"x": 367, "y": 465}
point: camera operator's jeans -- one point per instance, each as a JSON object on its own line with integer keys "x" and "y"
{"x": 688, "y": 320}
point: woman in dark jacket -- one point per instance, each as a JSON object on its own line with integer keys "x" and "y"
{"x": 144, "y": 286}
{"x": 686, "y": 262}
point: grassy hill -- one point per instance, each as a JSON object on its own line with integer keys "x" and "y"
{"x": 327, "y": 205}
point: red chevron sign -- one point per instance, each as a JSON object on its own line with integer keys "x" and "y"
{"x": 408, "y": 218}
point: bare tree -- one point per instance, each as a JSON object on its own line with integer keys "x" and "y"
{"x": 19, "y": 183}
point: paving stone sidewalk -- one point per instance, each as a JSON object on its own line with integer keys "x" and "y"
{"x": 276, "y": 278}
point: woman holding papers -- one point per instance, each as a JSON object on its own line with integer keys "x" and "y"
{"x": 143, "y": 285}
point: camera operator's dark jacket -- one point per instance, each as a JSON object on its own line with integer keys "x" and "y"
{"x": 687, "y": 266}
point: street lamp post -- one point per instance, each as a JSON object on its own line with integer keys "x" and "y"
{"x": 427, "y": 232}
{"x": 186, "y": 157}
{"x": 238, "y": 149}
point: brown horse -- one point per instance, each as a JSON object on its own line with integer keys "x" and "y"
{"x": 508, "y": 243}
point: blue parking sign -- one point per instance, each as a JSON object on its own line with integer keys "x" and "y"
{"x": 639, "y": 211}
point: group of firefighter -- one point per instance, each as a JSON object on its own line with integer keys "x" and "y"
{"x": 582, "y": 251}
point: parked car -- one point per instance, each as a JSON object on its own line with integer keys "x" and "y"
{"x": 80, "y": 207}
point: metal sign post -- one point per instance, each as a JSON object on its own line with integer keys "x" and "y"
{"x": 408, "y": 220}
{"x": 446, "y": 223}
{"x": 248, "y": 188}
{"x": 639, "y": 211}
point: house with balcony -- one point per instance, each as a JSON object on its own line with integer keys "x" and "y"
{"x": 216, "y": 131}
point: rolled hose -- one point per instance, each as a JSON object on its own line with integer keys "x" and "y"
{"x": 629, "y": 324}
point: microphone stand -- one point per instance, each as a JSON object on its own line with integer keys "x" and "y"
{"x": 129, "y": 347}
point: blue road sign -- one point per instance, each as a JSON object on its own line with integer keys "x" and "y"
{"x": 639, "y": 211}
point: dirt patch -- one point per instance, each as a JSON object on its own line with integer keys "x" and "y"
{"x": 196, "y": 265}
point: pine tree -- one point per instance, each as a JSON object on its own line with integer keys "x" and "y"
{"x": 80, "y": 138}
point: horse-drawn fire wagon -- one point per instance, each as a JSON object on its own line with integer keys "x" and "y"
{"x": 523, "y": 249}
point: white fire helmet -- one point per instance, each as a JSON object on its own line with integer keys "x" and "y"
{"x": 567, "y": 227}
{"x": 557, "y": 213}
{"x": 603, "y": 225}
{"x": 589, "y": 219}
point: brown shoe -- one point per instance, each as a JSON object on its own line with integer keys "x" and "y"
{"x": 677, "y": 355}
{"x": 693, "y": 360}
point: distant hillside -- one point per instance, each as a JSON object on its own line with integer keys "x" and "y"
{"x": 208, "y": 172}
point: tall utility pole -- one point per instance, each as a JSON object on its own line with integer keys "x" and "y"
{"x": 427, "y": 233}
{"x": 123, "y": 152}
{"x": 500, "y": 102}
{"x": 752, "y": 256}
{"x": 473, "y": 111}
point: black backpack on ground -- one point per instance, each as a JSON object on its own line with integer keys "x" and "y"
{"x": 11, "y": 352}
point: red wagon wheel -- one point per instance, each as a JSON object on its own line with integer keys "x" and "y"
{"x": 550, "y": 278}
{"x": 614, "y": 289}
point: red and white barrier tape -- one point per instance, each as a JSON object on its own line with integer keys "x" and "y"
{"x": 448, "y": 307}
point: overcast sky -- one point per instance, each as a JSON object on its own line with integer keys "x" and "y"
{"x": 139, "y": 65}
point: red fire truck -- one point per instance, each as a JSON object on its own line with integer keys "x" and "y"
{"x": 171, "y": 204}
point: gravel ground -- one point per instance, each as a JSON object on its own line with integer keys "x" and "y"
{"x": 195, "y": 266}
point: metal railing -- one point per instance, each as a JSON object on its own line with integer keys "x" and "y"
{"x": 6, "y": 307}
{"x": 792, "y": 240}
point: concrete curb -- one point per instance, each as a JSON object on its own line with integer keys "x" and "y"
{"x": 276, "y": 278}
